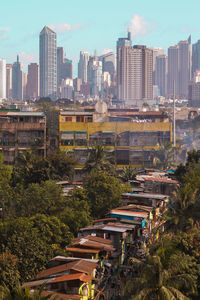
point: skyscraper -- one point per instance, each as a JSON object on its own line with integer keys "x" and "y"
{"x": 33, "y": 81}
{"x": 108, "y": 63}
{"x": 17, "y": 80}
{"x": 83, "y": 65}
{"x": 8, "y": 81}
{"x": 64, "y": 67}
{"x": 173, "y": 70}
{"x": 48, "y": 63}
{"x": 184, "y": 67}
{"x": 156, "y": 52}
{"x": 96, "y": 77}
{"x": 195, "y": 57}
{"x": 2, "y": 78}
{"x": 161, "y": 74}
{"x": 134, "y": 72}
{"x": 179, "y": 68}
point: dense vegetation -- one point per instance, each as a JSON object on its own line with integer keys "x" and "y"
{"x": 37, "y": 221}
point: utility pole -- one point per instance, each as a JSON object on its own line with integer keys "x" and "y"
{"x": 174, "y": 117}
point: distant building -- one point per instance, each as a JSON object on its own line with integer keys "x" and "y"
{"x": 8, "y": 81}
{"x": 64, "y": 67}
{"x": 96, "y": 77}
{"x": 77, "y": 82}
{"x": 33, "y": 81}
{"x": 108, "y": 63}
{"x": 179, "y": 68}
{"x": 134, "y": 73}
{"x": 67, "y": 89}
{"x": 17, "y": 80}
{"x": 83, "y": 66}
{"x": 161, "y": 74}
{"x": 173, "y": 71}
{"x": 156, "y": 52}
{"x": 48, "y": 63}
{"x": 184, "y": 67}
{"x": 2, "y": 79}
{"x": 195, "y": 57}
{"x": 194, "y": 90}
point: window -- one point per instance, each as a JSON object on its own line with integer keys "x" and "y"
{"x": 68, "y": 119}
{"x": 80, "y": 119}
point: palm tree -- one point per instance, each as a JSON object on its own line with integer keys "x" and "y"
{"x": 154, "y": 283}
{"x": 98, "y": 160}
{"x": 164, "y": 157}
{"x": 128, "y": 173}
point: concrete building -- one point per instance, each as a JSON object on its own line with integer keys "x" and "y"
{"x": 21, "y": 131}
{"x": 2, "y": 79}
{"x": 184, "y": 67}
{"x": 108, "y": 63}
{"x": 179, "y": 68}
{"x": 67, "y": 88}
{"x": 64, "y": 67}
{"x": 194, "y": 90}
{"x": 24, "y": 85}
{"x": 161, "y": 74}
{"x": 96, "y": 78}
{"x": 195, "y": 57}
{"x": 77, "y": 82}
{"x": 33, "y": 81}
{"x": 130, "y": 137}
{"x": 156, "y": 52}
{"x": 48, "y": 63}
{"x": 83, "y": 66}
{"x": 17, "y": 80}
{"x": 9, "y": 81}
{"x": 173, "y": 71}
{"x": 134, "y": 74}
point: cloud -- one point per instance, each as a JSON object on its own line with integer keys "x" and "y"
{"x": 139, "y": 26}
{"x": 65, "y": 27}
{"x": 3, "y": 32}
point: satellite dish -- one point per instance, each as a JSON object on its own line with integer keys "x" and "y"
{"x": 101, "y": 107}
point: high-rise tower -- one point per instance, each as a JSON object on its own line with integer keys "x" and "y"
{"x": 2, "y": 78}
{"x": 48, "y": 63}
{"x": 17, "y": 80}
{"x": 161, "y": 74}
{"x": 83, "y": 65}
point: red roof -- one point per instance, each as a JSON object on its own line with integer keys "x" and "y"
{"x": 80, "y": 250}
{"x": 76, "y": 276}
{"x": 161, "y": 179}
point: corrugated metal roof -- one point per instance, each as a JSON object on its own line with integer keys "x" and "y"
{"x": 70, "y": 277}
{"x": 69, "y": 258}
{"x": 36, "y": 283}
{"x": 77, "y": 265}
{"x": 138, "y": 214}
{"x": 79, "y": 250}
{"x": 116, "y": 229}
{"x": 92, "y": 244}
{"x": 27, "y": 113}
{"x": 146, "y": 195}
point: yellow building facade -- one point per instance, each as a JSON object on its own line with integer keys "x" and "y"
{"x": 130, "y": 143}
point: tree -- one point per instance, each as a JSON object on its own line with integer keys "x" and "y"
{"x": 61, "y": 166}
{"x": 77, "y": 211}
{"x": 165, "y": 156}
{"x": 98, "y": 160}
{"x": 45, "y": 198}
{"x": 9, "y": 274}
{"x": 19, "y": 293}
{"x": 34, "y": 241}
{"x": 128, "y": 173}
{"x": 154, "y": 282}
{"x": 103, "y": 192}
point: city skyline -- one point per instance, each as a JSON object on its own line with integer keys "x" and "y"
{"x": 86, "y": 31}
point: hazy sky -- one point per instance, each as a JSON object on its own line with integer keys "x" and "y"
{"x": 90, "y": 24}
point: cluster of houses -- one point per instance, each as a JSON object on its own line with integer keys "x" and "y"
{"x": 99, "y": 261}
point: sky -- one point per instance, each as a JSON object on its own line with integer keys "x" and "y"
{"x": 94, "y": 25}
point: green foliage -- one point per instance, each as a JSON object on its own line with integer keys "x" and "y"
{"x": 9, "y": 274}
{"x": 98, "y": 160}
{"x": 77, "y": 211}
{"x": 128, "y": 173}
{"x": 103, "y": 192}
{"x": 33, "y": 241}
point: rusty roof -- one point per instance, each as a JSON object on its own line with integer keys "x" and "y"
{"x": 105, "y": 219}
{"x": 77, "y": 265}
{"x": 99, "y": 239}
{"x": 85, "y": 242}
{"x": 79, "y": 250}
{"x": 77, "y": 276}
{"x": 161, "y": 179}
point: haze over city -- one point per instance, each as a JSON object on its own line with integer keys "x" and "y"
{"x": 89, "y": 25}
